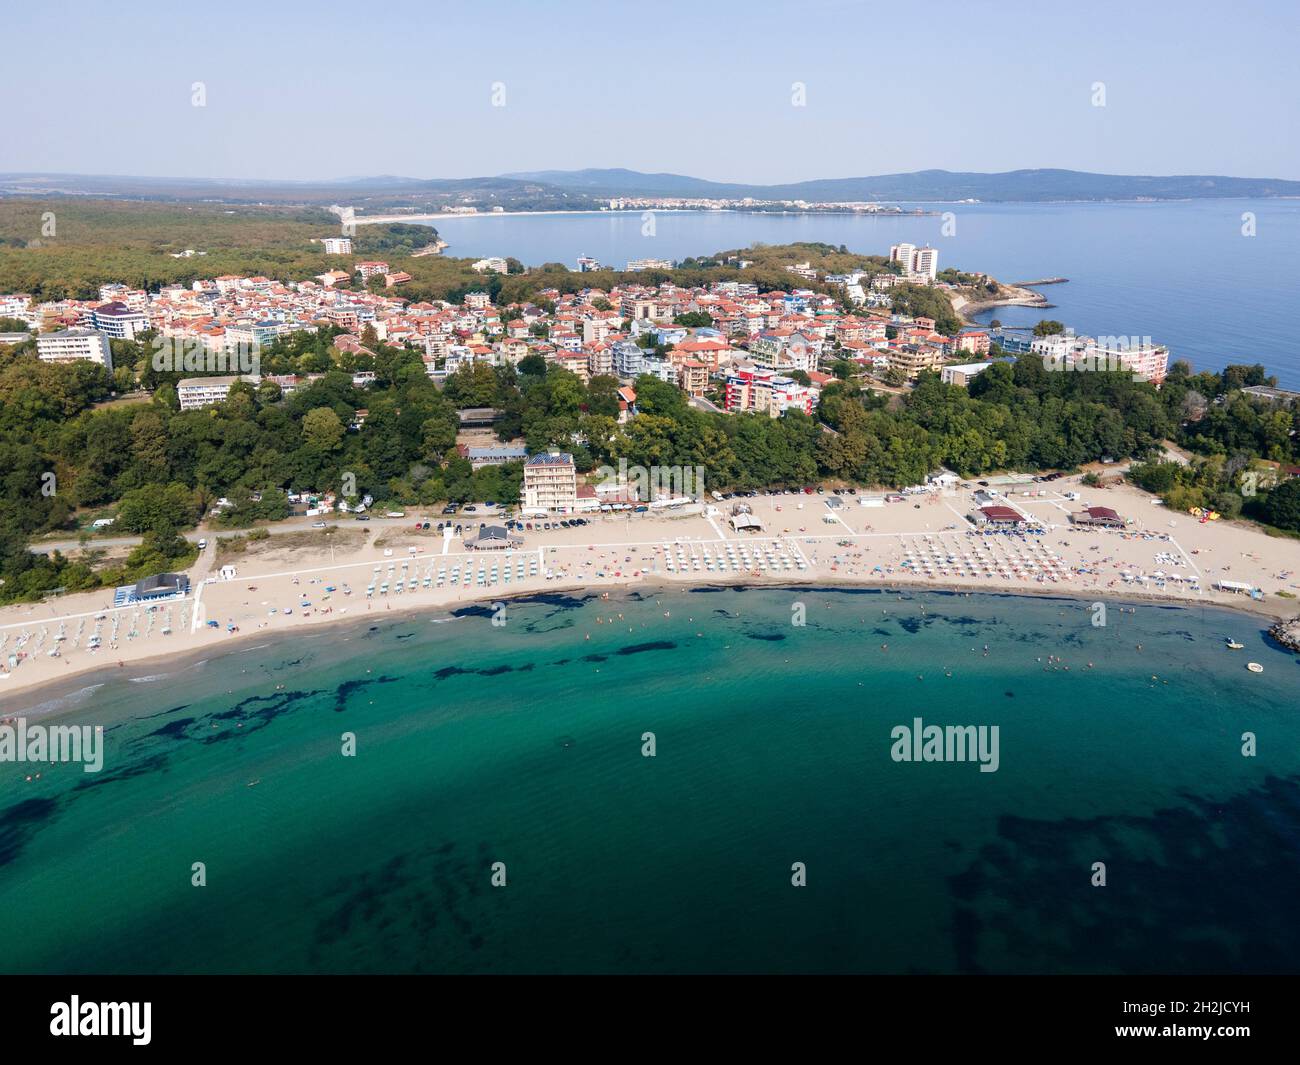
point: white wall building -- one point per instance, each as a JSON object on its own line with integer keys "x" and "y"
{"x": 75, "y": 345}
{"x": 195, "y": 392}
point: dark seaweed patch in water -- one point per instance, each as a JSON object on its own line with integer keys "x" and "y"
{"x": 771, "y": 636}
{"x": 174, "y": 729}
{"x": 486, "y": 671}
{"x": 20, "y": 822}
{"x": 164, "y": 713}
{"x": 1206, "y": 886}
{"x": 641, "y": 648}
{"x": 1009, "y": 695}
{"x": 255, "y": 712}
{"x": 406, "y": 636}
{"x": 409, "y": 915}
{"x": 475, "y": 611}
{"x": 562, "y": 661}
{"x": 153, "y": 764}
{"x": 566, "y": 622}
{"x": 880, "y": 631}
{"x": 349, "y": 687}
{"x": 726, "y": 614}
{"x": 566, "y": 602}
{"x": 595, "y": 658}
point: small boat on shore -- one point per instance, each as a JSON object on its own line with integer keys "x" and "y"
{"x": 1254, "y": 667}
{"x": 1233, "y": 645}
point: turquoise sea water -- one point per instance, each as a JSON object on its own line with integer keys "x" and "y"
{"x": 522, "y": 744}
{"x": 1181, "y": 273}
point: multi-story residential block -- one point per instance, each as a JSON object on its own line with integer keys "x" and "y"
{"x": 975, "y": 343}
{"x": 628, "y": 358}
{"x": 75, "y": 345}
{"x": 600, "y": 360}
{"x": 550, "y": 482}
{"x": 117, "y": 321}
{"x": 917, "y": 263}
{"x": 195, "y": 392}
{"x": 756, "y": 389}
{"x": 637, "y": 265}
{"x": 926, "y": 263}
{"x": 337, "y": 245}
{"x": 911, "y": 359}
{"x": 369, "y": 270}
{"x": 692, "y": 377}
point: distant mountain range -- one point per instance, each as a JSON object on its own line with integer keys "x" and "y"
{"x": 1021, "y": 185}
{"x": 552, "y": 189}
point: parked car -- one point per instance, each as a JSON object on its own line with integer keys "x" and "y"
{"x": 425, "y": 525}
{"x": 363, "y": 517}
{"x": 450, "y": 508}
{"x": 318, "y": 525}
{"x": 203, "y": 545}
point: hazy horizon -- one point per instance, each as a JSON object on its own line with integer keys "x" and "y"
{"x": 755, "y": 93}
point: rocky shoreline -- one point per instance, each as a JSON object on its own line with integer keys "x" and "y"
{"x": 1007, "y": 296}
{"x": 1286, "y": 631}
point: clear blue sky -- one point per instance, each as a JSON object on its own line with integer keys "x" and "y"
{"x": 327, "y": 89}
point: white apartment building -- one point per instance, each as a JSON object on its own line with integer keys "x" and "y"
{"x": 494, "y": 264}
{"x": 550, "y": 482}
{"x": 637, "y": 265}
{"x": 338, "y": 245}
{"x": 916, "y": 262}
{"x": 926, "y": 263}
{"x": 195, "y": 392}
{"x": 15, "y": 306}
{"x": 1080, "y": 354}
{"x": 118, "y": 321}
{"x": 902, "y": 254}
{"x": 75, "y": 345}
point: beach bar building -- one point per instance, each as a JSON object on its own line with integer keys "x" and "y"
{"x": 159, "y": 586}
{"x": 999, "y": 517}
{"x": 746, "y": 523}
{"x": 1103, "y": 516}
{"x": 494, "y": 538}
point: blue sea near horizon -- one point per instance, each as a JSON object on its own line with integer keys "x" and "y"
{"x": 1179, "y": 272}
{"x": 522, "y": 744}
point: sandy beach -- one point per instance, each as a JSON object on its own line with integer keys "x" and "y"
{"x": 922, "y": 542}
